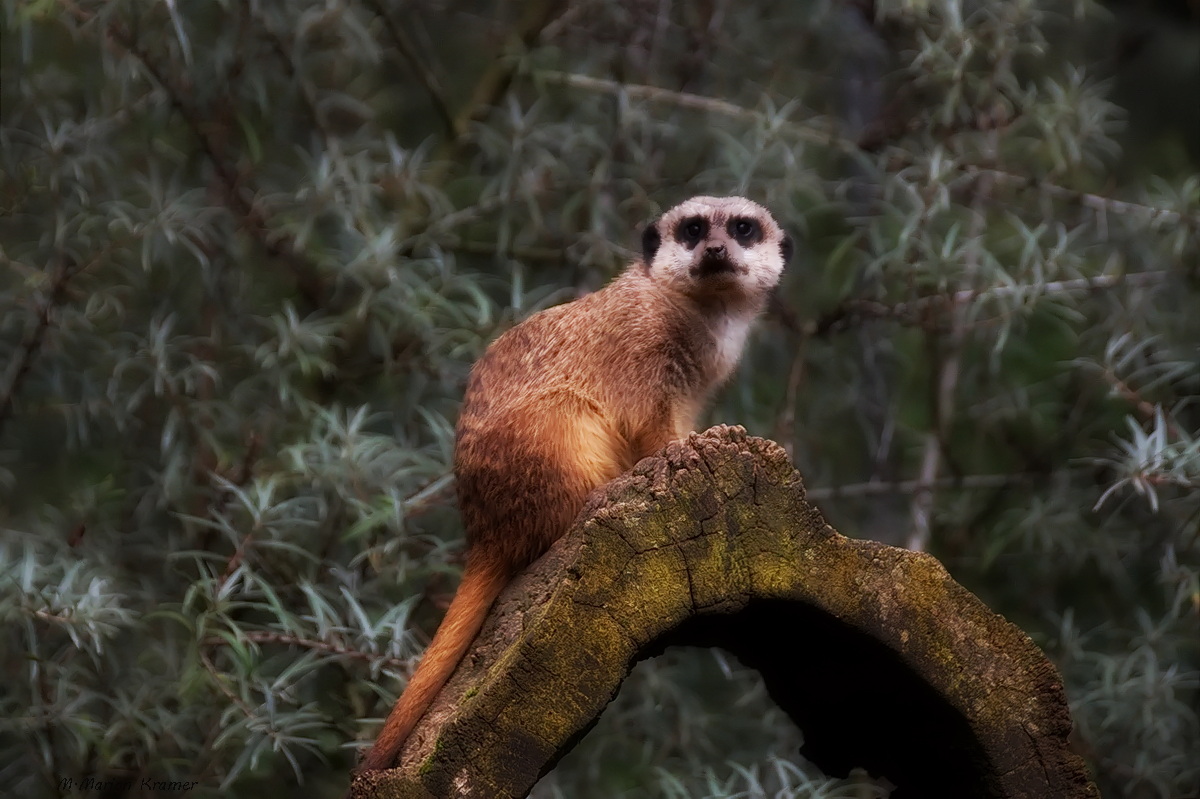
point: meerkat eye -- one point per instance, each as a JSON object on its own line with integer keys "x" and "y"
{"x": 744, "y": 230}
{"x": 690, "y": 231}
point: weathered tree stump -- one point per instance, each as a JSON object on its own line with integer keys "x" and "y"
{"x": 883, "y": 661}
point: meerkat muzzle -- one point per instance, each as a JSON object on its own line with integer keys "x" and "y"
{"x": 715, "y": 261}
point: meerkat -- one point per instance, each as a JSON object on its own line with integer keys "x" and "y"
{"x": 577, "y": 394}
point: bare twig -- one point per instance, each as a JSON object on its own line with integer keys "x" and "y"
{"x": 282, "y": 50}
{"x": 546, "y": 254}
{"x": 430, "y": 494}
{"x": 916, "y": 486}
{"x": 492, "y": 85}
{"x": 816, "y": 134}
{"x": 921, "y": 508}
{"x": 917, "y": 311}
{"x": 942, "y": 400}
{"x": 19, "y": 367}
{"x": 1146, "y": 278}
{"x": 408, "y": 51}
{"x": 27, "y": 352}
{"x": 219, "y": 679}
{"x": 1096, "y": 202}
{"x": 1145, "y": 409}
{"x": 804, "y": 132}
{"x": 494, "y": 82}
{"x": 276, "y": 244}
{"x": 270, "y": 637}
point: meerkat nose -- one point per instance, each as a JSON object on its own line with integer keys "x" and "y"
{"x": 715, "y": 250}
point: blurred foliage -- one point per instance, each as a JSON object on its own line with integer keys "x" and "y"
{"x": 248, "y": 252}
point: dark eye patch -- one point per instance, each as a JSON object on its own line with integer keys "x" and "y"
{"x": 651, "y": 239}
{"x": 745, "y": 231}
{"x": 691, "y": 231}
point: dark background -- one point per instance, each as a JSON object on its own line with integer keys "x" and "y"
{"x": 248, "y": 252}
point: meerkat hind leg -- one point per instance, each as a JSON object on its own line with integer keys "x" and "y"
{"x": 581, "y": 434}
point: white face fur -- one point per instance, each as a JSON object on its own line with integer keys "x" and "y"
{"x": 719, "y": 248}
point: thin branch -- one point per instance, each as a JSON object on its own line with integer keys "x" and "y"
{"x": 236, "y": 558}
{"x": 275, "y": 243}
{"x": 915, "y": 312}
{"x": 638, "y": 91}
{"x": 817, "y": 135}
{"x": 921, "y": 507}
{"x": 1145, "y": 278}
{"x": 804, "y": 132}
{"x": 1145, "y": 409}
{"x": 429, "y": 495}
{"x": 880, "y": 487}
{"x": 494, "y": 82}
{"x": 1096, "y": 202}
{"x": 219, "y": 678}
{"x": 949, "y": 368}
{"x": 21, "y": 365}
{"x": 545, "y": 254}
{"x": 282, "y": 50}
{"x": 408, "y": 51}
{"x": 269, "y": 637}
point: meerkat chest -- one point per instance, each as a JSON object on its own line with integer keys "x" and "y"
{"x": 729, "y": 336}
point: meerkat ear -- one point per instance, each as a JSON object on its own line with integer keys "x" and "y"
{"x": 786, "y": 248}
{"x": 651, "y": 239}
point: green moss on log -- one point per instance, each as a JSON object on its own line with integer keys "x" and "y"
{"x": 712, "y": 543}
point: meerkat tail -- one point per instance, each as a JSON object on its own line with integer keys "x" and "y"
{"x": 478, "y": 590}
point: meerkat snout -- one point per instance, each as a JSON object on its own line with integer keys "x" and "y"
{"x": 715, "y": 259}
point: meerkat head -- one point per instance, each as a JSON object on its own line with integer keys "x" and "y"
{"x": 717, "y": 247}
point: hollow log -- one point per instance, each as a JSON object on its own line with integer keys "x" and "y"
{"x": 881, "y": 659}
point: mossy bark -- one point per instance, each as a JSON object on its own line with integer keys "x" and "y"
{"x": 883, "y": 661}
